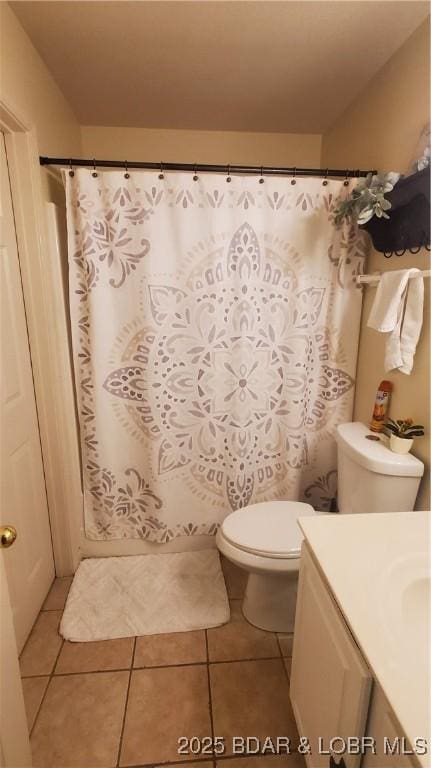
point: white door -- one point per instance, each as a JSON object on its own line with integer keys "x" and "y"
{"x": 29, "y": 563}
{"x": 14, "y": 742}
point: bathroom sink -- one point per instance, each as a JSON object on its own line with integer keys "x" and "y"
{"x": 385, "y": 598}
{"x": 415, "y": 604}
{"x": 406, "y": 602}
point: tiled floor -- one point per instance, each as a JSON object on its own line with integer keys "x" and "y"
{"x": 127, "y": 702}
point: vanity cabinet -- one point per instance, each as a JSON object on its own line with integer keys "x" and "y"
{"x": 331, "y": 688}
{"x": 330, "y": 681}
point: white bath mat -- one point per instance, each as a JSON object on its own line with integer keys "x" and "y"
{"x": 145, "y": 595}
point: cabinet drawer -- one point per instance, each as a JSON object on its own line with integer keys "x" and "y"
{"x": 330, "y": 681}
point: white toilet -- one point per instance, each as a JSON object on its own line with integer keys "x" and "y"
{"x": 265, "y": 539}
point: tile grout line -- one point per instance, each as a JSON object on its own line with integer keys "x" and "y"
{"x": 283, "y": 658}
{"x": 157, "y": 666}
{"x": 279, "y": 647}
{"x": 205, "y": 760}
{"x": 60, "y": 607}
{"x": 245, "y": 658}
{"x": 277, "y": 640}
{"x": 123, "y": 725}
{"x": 31, "y": 634}
{"x": 245, "y": 756}
{"x": 81, "y": 671}
{"x": 51, "y": 675}
{"x": 209, "y": 694}
{"x": 283, "y": 661}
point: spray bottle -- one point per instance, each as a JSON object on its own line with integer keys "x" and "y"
{"x": 380, "y": 406}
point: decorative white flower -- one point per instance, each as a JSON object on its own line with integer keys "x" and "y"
{"x": 368, "y": 198}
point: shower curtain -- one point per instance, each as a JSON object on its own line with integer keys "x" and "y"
{"x": 215, "y": 332}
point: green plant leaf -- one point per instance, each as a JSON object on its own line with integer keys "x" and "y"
{"x": 392, "y": 429}
{"x": 414, "y": 433}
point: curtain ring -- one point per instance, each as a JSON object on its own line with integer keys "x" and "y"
{"x": 261, "y": 180}
{"x": 415, "y": 250}
{"x": 228, "y": 177}
{"x": 387, "y": 254}
{"x": 195, "y": 176}
{"x": 127, "y": 174}
{"x": 325, "y": 181}
{"x": 94, "y": 174}
{"x": 71, "y": 171}
{"x": 293, "y": 181}
{"x": 400, "y": 253}
{"x": 346, "y": 180}
{"x": 161, "y": 174}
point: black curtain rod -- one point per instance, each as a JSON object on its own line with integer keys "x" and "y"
{"x": 204, "y": 168}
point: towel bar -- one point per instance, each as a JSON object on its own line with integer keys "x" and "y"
{"x": 373, "y": 279}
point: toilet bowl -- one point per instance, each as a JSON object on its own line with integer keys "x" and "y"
{"x": 265, "y": 540}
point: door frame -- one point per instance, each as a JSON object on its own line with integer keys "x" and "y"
{"x": 15, "y": 749}
{"x": 48, "y": 340}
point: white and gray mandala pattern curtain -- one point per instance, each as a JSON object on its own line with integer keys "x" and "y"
{"x": 215, "y": 332}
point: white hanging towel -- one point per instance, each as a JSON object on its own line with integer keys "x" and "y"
{"x": 398, "y": 311}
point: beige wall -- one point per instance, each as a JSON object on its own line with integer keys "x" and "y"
{"x": 381, "y": 129}
{"x": 28, "y": 86}
{"x": 29, "y": 90}
{"x": 201, "y": 146}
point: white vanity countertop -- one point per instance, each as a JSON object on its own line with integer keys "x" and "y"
{"x": 378, "y": 568}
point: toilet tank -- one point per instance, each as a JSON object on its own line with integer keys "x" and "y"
{"x": 371, "y": 477}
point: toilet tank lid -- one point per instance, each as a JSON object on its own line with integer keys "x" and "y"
{"x": 375, "y": 455}
{"x": 267, "y": 528}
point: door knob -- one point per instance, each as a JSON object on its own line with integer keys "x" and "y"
{"x": 8, "y": 535}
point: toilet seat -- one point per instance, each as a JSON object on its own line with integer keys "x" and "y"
{"x": 268, "y": 529}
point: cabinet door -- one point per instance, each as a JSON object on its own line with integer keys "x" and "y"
{"x": 389, "y": 740}
{"x": 330, "y": 682}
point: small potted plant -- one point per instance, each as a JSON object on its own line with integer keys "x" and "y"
{"x": 402, "y": 433}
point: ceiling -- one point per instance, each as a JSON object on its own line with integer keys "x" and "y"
{"x": 249, "y": 66}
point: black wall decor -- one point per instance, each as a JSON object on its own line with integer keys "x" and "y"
{"x": 408, "y": 226}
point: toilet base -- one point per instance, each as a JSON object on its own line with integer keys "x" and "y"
{"x": 270, "y": 601}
